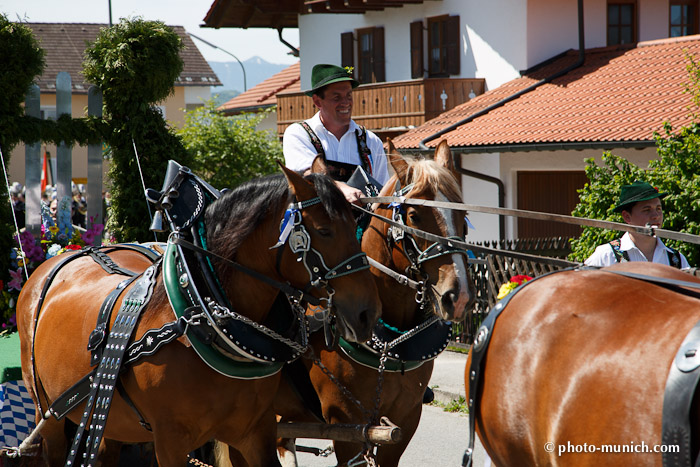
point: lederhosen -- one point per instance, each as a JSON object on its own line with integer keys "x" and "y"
{"x": 674, "y": 256}
{"x": 342, "y": 171}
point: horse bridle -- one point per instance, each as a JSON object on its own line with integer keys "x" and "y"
{"x": 292, "y": 230}
{"x": 397, "y": 235}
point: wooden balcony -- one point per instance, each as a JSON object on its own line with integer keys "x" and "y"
{"x": 388, "y": 109}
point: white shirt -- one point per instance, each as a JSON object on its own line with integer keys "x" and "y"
{"x": 604, "y": 255}
{"x": 299, "y": 153}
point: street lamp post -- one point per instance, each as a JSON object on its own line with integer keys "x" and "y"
{"x": 245, "y": 84}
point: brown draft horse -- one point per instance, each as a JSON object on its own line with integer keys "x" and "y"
{"x": 452, "y": 293}
{"x": 186, "y": 402}
{"x": 582, "y": 357}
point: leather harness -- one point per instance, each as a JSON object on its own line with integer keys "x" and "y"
{"x": 208, "y": 322}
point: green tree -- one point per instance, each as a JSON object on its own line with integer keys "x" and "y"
{"x": 135, "y": 63}
{"x": 674, "y": 172}
{"x": 228, "y": 150}
{"x": 22, "y": 61}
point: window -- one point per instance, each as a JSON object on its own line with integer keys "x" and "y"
{"x": 622, "y": 19}
{"x": 443, "y": 46}
{"x": 682, "y": 18}
{"x": 370, "y": 54}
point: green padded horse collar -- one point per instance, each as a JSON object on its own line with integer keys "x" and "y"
{"x": 407, "y": 354}
{"x": 181, "y": 299}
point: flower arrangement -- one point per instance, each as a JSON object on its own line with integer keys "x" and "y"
{"x": 30, "y": 252}
{"x": 514, "y": 282}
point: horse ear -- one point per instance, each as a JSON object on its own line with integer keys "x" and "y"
{"x": 318, "y": 166}
{"x": 400, "y": 167}
{"x": 443, "y": 156}
{"x": 303, "y": 189}
{"x": 390, "y": 148}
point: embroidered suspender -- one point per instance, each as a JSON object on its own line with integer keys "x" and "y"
{"x": 362, "y": 148}
{"x": 674, "y": 257}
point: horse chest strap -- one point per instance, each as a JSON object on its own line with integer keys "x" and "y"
{"x": 107, "y": 373}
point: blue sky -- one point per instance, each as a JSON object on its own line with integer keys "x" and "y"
{"x": 243, "y": 43}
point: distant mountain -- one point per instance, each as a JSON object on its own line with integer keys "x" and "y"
{"x": 231, "y": 75}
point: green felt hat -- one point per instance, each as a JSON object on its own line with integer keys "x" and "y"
{"x": 638, "y": 191}
{"x": 323, "y": 75}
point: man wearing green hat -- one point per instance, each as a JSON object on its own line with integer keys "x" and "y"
{"x": 332, "y": 134}
{"x": 639, "y": 204}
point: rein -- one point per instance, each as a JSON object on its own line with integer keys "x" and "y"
{"x": 580, "y": 221}
{"x": 293, "y": 292}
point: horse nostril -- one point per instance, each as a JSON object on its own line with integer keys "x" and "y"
{"x": 449, "y": 299}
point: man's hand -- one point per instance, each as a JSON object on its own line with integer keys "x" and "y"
{"x": 352, "y": 194}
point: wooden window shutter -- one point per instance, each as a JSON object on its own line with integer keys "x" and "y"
{"x": 378, "y": 62}
{"x": 452, "y": 42}
{"x": 346, "y": 50}
{"x": 417, "y": 68}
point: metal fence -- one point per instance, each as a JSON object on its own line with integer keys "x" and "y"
{"x": 500, "y": 266}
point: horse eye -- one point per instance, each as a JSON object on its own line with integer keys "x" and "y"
{"x": 324, "y": 232}
{"x": 413, "y": 217}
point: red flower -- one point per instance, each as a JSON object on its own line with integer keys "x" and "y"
{"x": 73, "y": 247}
{"x": 520, "y": 278}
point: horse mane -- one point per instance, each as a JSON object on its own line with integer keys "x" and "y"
{"x": 240, "y": 211}
{"x": 428, "y": 174}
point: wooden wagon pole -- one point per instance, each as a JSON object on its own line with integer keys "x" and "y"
{"x": 386, "y": 433}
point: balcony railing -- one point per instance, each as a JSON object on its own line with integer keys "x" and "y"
{"x": 393, "y": 107}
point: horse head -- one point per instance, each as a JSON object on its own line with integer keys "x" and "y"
{"x": 309, "y": 233}
{"x": 441, "y": 269}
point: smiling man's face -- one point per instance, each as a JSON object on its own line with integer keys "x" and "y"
{"x": 336, "y": 104}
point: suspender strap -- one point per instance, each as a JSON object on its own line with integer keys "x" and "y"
{"x": 314, "y": 139}
{"x": 674, "y": 257}
{"x": 620, "y": 256}
{"x": 362, "y": 148}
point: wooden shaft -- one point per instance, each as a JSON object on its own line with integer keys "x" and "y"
{"x": 378, "y": 434}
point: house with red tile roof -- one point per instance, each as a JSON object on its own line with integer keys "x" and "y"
{"x": 263, "y": 96}
{"x": 65, "y": 43}
{"x": 536, "y": 143}
{"x": 564, "y": 80}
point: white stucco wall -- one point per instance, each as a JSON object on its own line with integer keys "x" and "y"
{"x": 506, "y": 167}
{"x": 493, "y": 44}
{"x": 197, "y": 94}
{"x": 481, "y": 193}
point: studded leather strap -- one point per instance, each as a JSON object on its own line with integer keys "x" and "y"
{"x": 108, "y": 371}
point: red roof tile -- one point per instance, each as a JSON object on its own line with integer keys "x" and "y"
{"x": 264, "y": 94}
{"x": 65, "y": 44}
{"x": 620, "y": 94}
